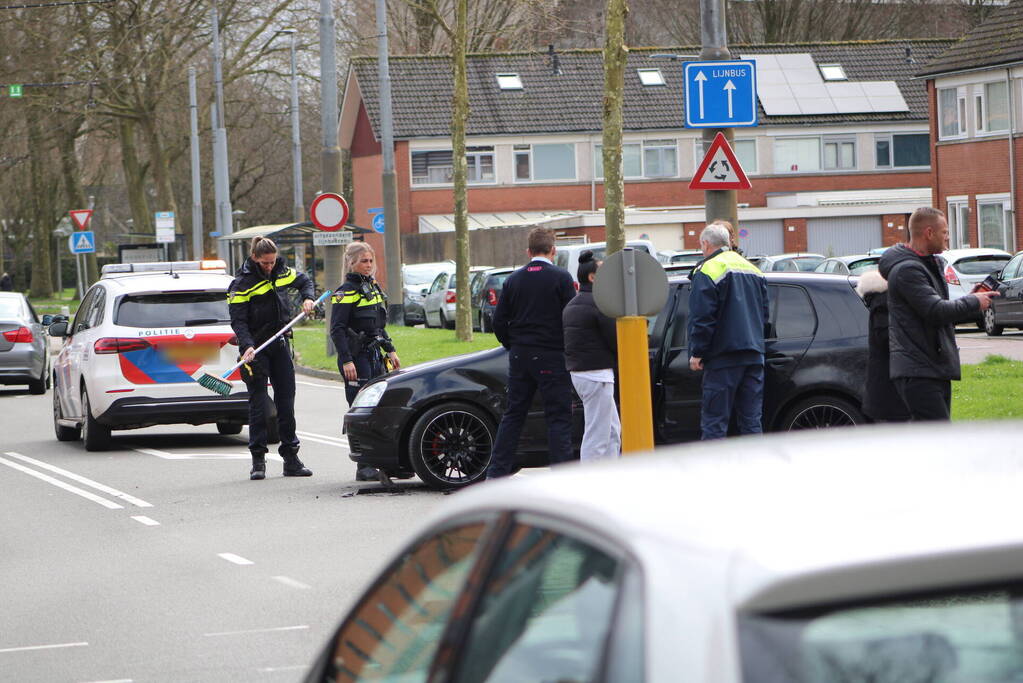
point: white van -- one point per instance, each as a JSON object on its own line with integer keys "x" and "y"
{"x": 567, "y": 256}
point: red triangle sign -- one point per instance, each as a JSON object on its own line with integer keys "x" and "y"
{"x": 720, "y": 170}
{"x": 81, "y": 218}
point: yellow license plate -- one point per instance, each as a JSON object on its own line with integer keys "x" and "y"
{"x": 192, "y": 353}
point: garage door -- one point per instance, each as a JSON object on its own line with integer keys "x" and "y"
{"x": 761, "y": 238}
{"x": 843, "y": 235}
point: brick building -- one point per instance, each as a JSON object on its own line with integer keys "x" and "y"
{"x": 833, "y": 117}
{"x": 975, "y": 90}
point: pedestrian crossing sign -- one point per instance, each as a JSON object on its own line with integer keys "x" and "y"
{"x": 82, "y": 242}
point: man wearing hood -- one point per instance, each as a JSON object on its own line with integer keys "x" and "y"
{"x": 924, "y": 358}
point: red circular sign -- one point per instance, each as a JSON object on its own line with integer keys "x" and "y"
{"x": 329, "y": 212}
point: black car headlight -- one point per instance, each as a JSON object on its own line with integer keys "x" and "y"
{"x": 370, "y": 395}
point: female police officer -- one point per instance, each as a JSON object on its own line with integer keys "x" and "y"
{"x": 259, "y": 308}
{"x": 357, "y": 322}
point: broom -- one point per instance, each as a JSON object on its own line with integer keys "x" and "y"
{"x": 220, "y": 384}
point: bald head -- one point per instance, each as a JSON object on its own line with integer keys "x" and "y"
{"x": 928, "y": 230}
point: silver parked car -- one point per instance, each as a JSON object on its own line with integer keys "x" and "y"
{"x": 880, "y": 554}
{"x": 417, "y": 278}
{"x": 24, "y": 357}
{"x": 439, "y": 306}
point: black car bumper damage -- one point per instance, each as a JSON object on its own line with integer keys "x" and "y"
{"x": 372, "y": 439}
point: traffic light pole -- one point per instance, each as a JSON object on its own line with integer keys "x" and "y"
{"x": 718, "y": 204}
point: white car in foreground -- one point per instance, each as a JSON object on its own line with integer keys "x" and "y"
{"x": 867, "y": 554}
{"x": 128, "y": 355}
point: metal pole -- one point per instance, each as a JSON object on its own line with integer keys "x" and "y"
{"x": 392, "y": 235}
{"x": 223, "y": 190}
{"x": 331, "y": 155}
{"x": 193, "y": 120}
{"x": 298, "y": 208}
{"x": 60, "y": 276}
{"x": 717, "y": 203}
{"x": 78, "y": 269}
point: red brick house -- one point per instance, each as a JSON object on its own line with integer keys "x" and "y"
{"x": 975, "y": 90}
{"x": 832, "y": 117}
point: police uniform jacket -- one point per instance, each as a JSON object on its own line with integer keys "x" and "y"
{"x": 359, "y": 309}
{"x": 258, "y": 303}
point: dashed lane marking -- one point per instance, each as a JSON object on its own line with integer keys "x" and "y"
{"x": 109, "y": 504}
{"x": 192, "y": 456}
{"x": 114, "y": 680}
{"x": 324, "y": 439}
{"x": 142, "y": 519}
{"x": 137, "y": 502}
{"x": 41, "y": 647}
{"x": 274, "y": 669}
{"x": 291, "y": 583}
{"x": 237, "y": 559}
{"x": 277, "y": 629}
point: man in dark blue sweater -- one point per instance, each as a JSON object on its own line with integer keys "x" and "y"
{"x": 527, "y": 322}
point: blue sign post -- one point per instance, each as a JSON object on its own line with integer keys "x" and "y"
{"x": 721, "y": 94}
{"x": 82, "y": 242}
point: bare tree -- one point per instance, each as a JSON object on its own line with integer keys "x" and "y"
{"x": 615, "y": 53}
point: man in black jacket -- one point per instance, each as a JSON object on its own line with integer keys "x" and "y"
{"x": 527, "y": 322}
{"x": 924, "y": 358}
{"x": 258, "y": 306}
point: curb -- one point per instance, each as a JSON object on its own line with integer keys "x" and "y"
{"x": 319, "y": 374}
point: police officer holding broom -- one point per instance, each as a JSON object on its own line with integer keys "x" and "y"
{"x": 357, "y": 322}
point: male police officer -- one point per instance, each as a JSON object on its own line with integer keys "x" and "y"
{"x": 727, "y": 316}
{"x": 527, "y": 322}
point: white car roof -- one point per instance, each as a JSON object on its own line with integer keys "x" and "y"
{"x": 954, "y": 254}
{"x": 130, "y": 283}
{"x": 803, "y": 518}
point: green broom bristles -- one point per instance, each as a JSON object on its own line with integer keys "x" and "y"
{"x": 214, "y": 383}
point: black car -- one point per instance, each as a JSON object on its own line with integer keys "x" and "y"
{"x": 484, "y": 292}
{"x": 439, "y": 419}
{"x": 1007, "y": 310}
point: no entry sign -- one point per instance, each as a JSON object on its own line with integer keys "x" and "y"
{"x": 329, "y": 212}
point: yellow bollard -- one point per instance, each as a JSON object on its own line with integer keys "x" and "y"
{"x": 634, "y": 384}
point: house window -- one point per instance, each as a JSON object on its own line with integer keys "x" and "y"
{"x": 436, "y": 167}
{"x": 959, "y": 222}
{"x": 554, "y": 161}
{"x": 660, "y": 159}
{"x": 951, "y": 112}
{"x": 901, "y": 151}
{"x": 992, "y": 223}
{"x": 632, "y": 160}
{"x": 509, "y": 82}
{"x": 745, "y": 151}
{"x": 797, "y": 155}
{"x": 833, "y": 72}
{"x": 650, "y": 76}
{"x": 994, "y": 105}
{"x": 839, "y": 154}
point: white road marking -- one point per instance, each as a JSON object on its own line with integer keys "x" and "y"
{"x": 67, "y": 487}
{"x": 324, "y": 439}
{"x": 142, "y": 519}
{"x": 42, "y": 647}
{"x": 272, "y": 669}
{"x": 137, "y": 502}
{"x": 114, "y": 680}
{"x": 338, "y": 385}
{"x": 257, "y": 630}
{"x": 237, "y": 559}
{"x": 291, "y": 583}
{"x": 192, "y": 456}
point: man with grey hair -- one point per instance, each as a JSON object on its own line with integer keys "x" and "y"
{"x": 727, "y": 317}
{"x": 923, "y": 355}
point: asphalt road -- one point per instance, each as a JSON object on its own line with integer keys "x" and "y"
{"x": 160, "y": 561}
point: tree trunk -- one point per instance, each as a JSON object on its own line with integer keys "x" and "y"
{"x": 134, "y": 179}
{"x": 615, "y": 53}
{"x": 460, "y": 114}
{"x": 158, "y": 163}
{"x": 42, "y": 283}
{"x": 73, "y": 185}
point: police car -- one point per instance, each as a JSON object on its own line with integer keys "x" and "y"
{"x": 128, "y": 356}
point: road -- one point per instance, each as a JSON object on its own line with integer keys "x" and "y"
{"x": 160, "y": 561}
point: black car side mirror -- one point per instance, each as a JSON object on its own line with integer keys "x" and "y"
{"x": 58, "y": 329}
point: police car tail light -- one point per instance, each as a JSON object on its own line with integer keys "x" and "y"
{"x": 491, "y": 297}
{"x": 22, "y": 335}
{"x": 119, "y": 345}
{"x": 950, "y": 276}
{"x": 449, "y": 298}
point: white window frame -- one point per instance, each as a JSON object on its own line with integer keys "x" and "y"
{"x": 651, "y": 78}
{"x": 999, "y": 199}
{"x": 477, "y": 154}
{"x": 492, "y": 153}
{"x": 838, "y": 141}
{"x": 890, "y": 138}
{"x": 699, "y": 154}
{"x": 828, "y": 74}
{"x": 982, "y": 111}
{"x": 652, "y": 144}
{"x": 509, "y": 81}
{"x": 960, "y": 110}
{"x": 598, "y": 174}
{"x": 979, "y": 112}
{"x": 517, "y": 150}
{"x": 957, "y": 208}
{"x": 412, "y": 176}
{"x": 820, "y": 153}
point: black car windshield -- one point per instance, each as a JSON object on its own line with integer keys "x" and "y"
{"x": 173, "y": 309}
{"x": 981, "y": 265}
{"x": 963, "y": 636}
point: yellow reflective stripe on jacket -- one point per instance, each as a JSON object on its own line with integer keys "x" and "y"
{"x": 376, "y": 299}
{"x": 349, "y": 298}
{"x": 725, "y": 262}
{"x": 286, "y": 279}
{"x": 261, "y": 288}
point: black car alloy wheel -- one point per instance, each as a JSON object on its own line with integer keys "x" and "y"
{"x": 450, "y": 445}
{"x": 821, "y": 411}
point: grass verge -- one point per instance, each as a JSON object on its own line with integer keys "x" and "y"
{"x": 414, "y": 345}
{"x": 992, "y": 390}
{"x": 68, "y": 297}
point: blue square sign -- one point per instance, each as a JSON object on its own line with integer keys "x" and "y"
{"x": 721, "y": 94}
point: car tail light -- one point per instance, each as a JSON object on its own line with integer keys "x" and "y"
{"x": 576, "y": 285}
{"x": 449, "y": 298}
{"x": 950, "y": 276}
{"x": 233, "y": 341}
{"x": 22, "y": 335}
{"x": 119, "y": 345}
{"x": 491, "y": 297}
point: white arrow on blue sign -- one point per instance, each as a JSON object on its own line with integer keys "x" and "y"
{"x": 721, "y": 94}
{"x": 82, "y": 242}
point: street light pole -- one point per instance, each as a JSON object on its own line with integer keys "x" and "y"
{"x": 221, "y": 168}
{"x": 331, "y": 155}
{"x": 392, "y": 235}
{"x": 193, "y": 121}
{"x": 718, "y": 204}
{"x": 298, "y": 207}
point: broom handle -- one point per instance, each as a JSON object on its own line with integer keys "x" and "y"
{"x": 294, "y": 321}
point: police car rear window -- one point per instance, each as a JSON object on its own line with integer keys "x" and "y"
{"x": 173, "y": 310}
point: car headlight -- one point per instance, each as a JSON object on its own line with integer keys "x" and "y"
{"x": 370, "y": 395}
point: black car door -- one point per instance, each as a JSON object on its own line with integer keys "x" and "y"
{"x": 1009, "y": 307}
{"x": 792, "y": 323}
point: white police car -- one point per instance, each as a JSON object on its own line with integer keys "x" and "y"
{"x": 128, "y": 355}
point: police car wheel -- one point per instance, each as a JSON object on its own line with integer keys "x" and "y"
{"x": 229, "y": 428}
{"x": 818, "y": 412}
{"x": 450, "y": 445}
{"x": 60, "y": 431}
{"x": 95, "y": 436}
